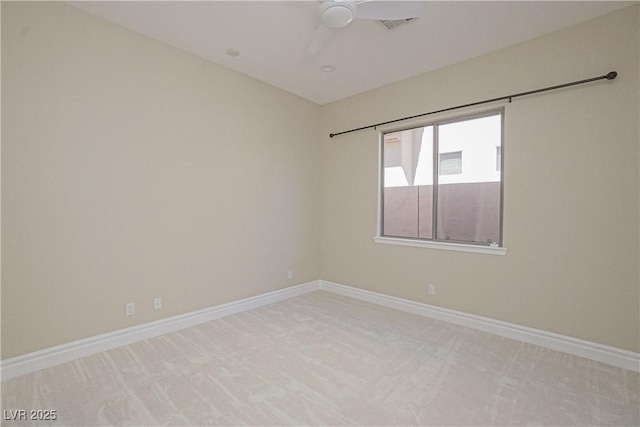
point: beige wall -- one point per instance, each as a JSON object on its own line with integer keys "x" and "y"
{"x": 131, "y": 169}
{"x": 571, "y": 188}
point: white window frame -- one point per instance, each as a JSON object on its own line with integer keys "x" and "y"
{"x": 439, "y": 244}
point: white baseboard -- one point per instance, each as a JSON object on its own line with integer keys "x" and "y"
{"x": 587, "y": 349}
{"x": 31, "y": 362}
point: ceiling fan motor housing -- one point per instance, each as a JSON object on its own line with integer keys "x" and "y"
{"x": 337, "y": 14}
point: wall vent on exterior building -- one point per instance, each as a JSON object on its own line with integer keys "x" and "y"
{"x": 393, "y": 24}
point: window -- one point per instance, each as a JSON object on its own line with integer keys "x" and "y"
{"x": 451, "y": 163}
{"x": 443, "y": 182}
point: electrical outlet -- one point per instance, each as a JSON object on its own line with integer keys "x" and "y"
{"x": 290, "y": 274}
{"x": 431, "y": 289}
{"x": 157, "y": 303}
{"x": 130, "y": 309}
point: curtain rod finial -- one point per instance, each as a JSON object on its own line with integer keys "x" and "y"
{"x": 611, "y": 75}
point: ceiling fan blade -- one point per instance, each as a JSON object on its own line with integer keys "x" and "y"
{"x": 388, "y": 10}
{"x": 319, "y": 39}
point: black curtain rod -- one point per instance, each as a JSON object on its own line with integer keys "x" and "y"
{"x": 609, "y": 76}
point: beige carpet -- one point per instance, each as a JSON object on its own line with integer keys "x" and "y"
{"x": 322, "y": 359}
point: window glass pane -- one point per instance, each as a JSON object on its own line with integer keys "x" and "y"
{"x": 408, "y": 183}
{"x": 469, "y": 201}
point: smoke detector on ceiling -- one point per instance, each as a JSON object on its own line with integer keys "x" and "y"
{"x": 393, "y": 24}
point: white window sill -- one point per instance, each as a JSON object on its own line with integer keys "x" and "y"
{"x": 442, "y": 245}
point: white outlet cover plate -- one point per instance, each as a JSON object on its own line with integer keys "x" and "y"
{"x": 130, "y": 309}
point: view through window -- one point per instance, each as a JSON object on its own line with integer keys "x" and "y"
{"x": 443, "y": 182}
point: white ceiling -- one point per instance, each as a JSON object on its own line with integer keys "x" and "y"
{"x": 272, "y": 37}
